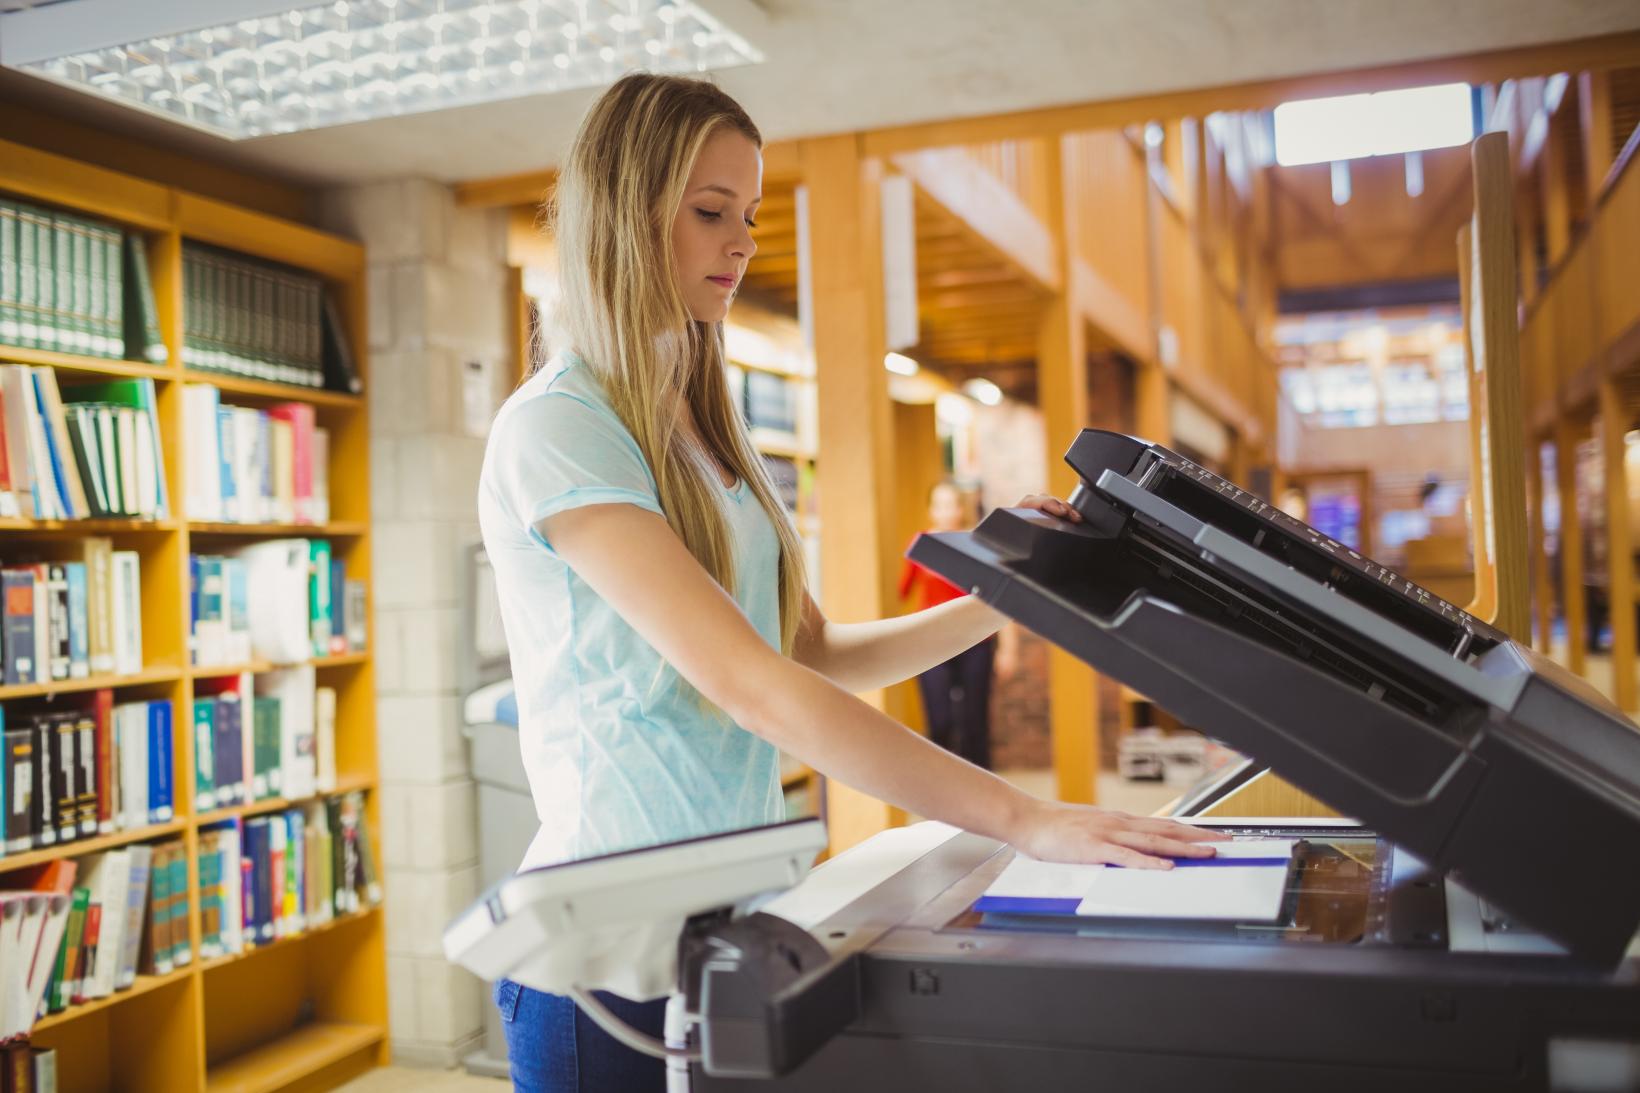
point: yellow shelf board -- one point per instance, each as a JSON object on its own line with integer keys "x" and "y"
{"x": 256, "y": 667}
{"x": 281, "y": 392}
{"x": 336, "y": 529}
{"x": 86, "y": 527}
{"x": 58, "y": 180}
{"x": 93, "y": 366}
{"x": 156, "y": 674}
{"x": 289, "y": 939}
{"x": 345, "y": 784}
{"x": 300, "y": 1052}
{"x": 92, "y": 845}
{"x": 143, "y": 985}
{"x": 220, "y": 224}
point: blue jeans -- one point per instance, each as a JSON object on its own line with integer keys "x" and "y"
{"x": 552, "y": 1047}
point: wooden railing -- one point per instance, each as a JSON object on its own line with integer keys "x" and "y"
{"x": 1586, "y": 321}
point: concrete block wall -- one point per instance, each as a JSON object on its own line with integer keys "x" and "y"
{"x": 437, "y": 289}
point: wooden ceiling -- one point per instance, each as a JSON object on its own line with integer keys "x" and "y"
{"x": 977, "y": 312}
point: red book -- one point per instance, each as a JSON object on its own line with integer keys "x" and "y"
{"x": 301, "y": 419}
{"x": 102, "y": 708}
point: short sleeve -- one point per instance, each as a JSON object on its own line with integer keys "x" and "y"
{"x": 556, "y": 452}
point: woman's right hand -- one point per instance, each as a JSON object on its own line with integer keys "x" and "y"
{"x": 1083, "y": 834}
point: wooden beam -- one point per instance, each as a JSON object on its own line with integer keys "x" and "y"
{"x": 529, "y": 188}
{"x": 1557, "y": 205}
{"x": 855, "y": 421}
{"x": 1494, "y": 66}
{"x": 987, "y": 209}
{"x": 1594, "y": 104}
{"x": 1062, "y": 393}
{"x": 1614, "y": 427}
{"x": 1573, "y": 607}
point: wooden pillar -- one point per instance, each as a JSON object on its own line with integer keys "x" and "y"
{"x": 1062, "y": 386}
{"x": 1614, "y": 425}
{"x": 1573, "y": 604}
{"x": 856, "y": 442}
{"x": 1594, "y": 104}
{"x": 1542, "y": 590}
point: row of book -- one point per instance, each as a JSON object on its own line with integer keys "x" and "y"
{"x": 268, "y": 735}
{"x": 275, "y": 876}
{"x": 71, "y": 616}
{"x": 75, "y": 285}
{"x": 77, "y": 773}
{"x": 253, "y": 466}
{"x": 251, "y": 318}
{"x": 281, "y": 600}
{"x": 88, "y": 927}
{"x": 78, "y": 451}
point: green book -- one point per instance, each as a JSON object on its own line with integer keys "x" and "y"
{"x": 96, "y": 299}
{"x": 204, "y": 754}
{"x": 141, "y": 316}
{"x": 82, "y": 327}
{"x": 181, "y": 953}
{"x": 28, "y": 278}
{"x": 10, "y": 271}
{"x": 267, "y": 774}
{"x": 64, "y": 336}
{"x": 319, "y": 604}
{"x": 63, "y": 987}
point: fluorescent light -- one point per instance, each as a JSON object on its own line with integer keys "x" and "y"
{"x": 315, "y": 65}
{"x": 1385, "y": 123}
{"x": 983, "y": 391}
{"x": 900, "y": 364}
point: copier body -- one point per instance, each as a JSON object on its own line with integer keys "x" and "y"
{"x": 1471, "y": 930}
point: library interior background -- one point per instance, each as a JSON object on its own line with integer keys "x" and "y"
{"x": 267, "y": 274}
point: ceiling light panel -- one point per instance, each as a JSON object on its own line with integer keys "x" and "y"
{"x": 353, "y": 60}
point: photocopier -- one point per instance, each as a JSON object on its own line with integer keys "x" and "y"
{"x": 1471, "y": 925}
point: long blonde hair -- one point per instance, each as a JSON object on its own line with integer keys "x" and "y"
{"x": 622, "y": 311}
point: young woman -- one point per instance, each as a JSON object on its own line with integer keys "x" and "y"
{"x": 663, "y": 644}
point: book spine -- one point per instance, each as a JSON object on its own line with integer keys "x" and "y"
{"x": 79, "y": 620}
{"x": 20, "y": 664}
{"x": 161, "y": 798}
{"x": 58, "y": 626}
{"x": 87, "y": 780}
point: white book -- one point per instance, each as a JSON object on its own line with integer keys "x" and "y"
{"x": 115, "y": 892}
{"x": 45, "y": 953}
{"x": 233, "y": 922}
{"x": 35, "y": 916}
{"x": 127, "y": 612}
{"x": 125, "y": 437}
{"x": 147, "y": 471}
{"x": 319, "y": 507}
{"x": 132, "y": 718}
{"x": 17, "y": 440}
{"x": 14, "y": 1016}
{"x": 324, "y": 738}
{"x": 277, "y": 580}
{"x": 42, "y": 625}
{"x": 294, "y": 687}
{"x": 136, "y": 914}
{"x": 49, "y": 501}
{"x": 204, "y": 485}
{"x": 254, "y": 507}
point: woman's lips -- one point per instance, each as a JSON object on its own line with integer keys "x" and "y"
{"x": 726, "y": 282}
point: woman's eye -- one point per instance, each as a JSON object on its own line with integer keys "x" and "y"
{"x": 707, "y": 214}
{"x": 750, "y": 223}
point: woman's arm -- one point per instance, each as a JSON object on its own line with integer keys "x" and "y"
{"x": 634, "y": 561}
{"x": 863, "y": 656}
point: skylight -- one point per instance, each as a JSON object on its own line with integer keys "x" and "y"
{"x": 1381, "y": 124}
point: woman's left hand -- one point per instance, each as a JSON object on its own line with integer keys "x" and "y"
{"x": 1051, "y": 505}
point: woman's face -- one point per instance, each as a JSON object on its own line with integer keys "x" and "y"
{"x": 946, "y": 512}
{"x": 711, "y": 237}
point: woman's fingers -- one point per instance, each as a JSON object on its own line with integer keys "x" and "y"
{"x": 1161, "y": 844}
{"x": 1051, "y": 505}
{"x": 1129, "y": 858}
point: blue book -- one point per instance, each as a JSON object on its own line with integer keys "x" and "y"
{"x": 58, "y": 486}
{"x": 236, "y": 609}
{"x": 161, "y": 799}
{"x": 225, "y": 451}
{"x": 79, "y": 621}
{"x": 193, "y": 609}
{"x": 17, "y": 586}
{"x": 338, "y": 605}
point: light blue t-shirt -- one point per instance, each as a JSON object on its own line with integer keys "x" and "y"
{"x": 619, "y": 751}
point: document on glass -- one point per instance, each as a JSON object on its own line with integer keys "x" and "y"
{"x": 1245, "y": 882}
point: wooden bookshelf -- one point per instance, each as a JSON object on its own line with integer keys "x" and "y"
{"x": 305, "y": 1012}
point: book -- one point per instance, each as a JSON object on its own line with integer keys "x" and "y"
{"x": 161, "y": 798}
{"x": 57, "y": 620}
{"x": 98, "y": 556}
{"x": 141, "y": 317}
{"x": 136, "y": 909}
{"x": 139, "y": 438}
{"x": 127, "y": 589}
{"x": 19, "y": 761}
{"x": 79, "y": 619}
{"x": 17, "y": 587}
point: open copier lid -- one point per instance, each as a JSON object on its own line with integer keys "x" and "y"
{"x": 1373, "y": 694}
